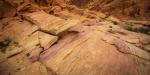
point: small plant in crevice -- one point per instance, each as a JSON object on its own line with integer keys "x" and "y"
{"x": 128, "y": 27}
{"x": 143, "y": 29}
{"x": 4, "y": 44}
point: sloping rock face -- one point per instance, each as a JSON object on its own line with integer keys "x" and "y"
{"x": 47, "y": 37}
{"x": 6, "y": 10}
{"x": 135, "y": 8}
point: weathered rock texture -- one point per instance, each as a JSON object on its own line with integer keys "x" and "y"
{"x": 49, "y": 37}
{"x": 134, "y": 8}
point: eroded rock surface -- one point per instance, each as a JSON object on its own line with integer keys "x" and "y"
{"x": 60, "y": 39}
{"x": 139, "y": 9}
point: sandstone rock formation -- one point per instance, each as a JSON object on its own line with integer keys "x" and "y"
{"x": 139, "y": 9}
{"x": 50, "y": 37}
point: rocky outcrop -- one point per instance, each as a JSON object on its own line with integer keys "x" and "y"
{"x": 60, "y": 39}
{"x": 121, "y": 8}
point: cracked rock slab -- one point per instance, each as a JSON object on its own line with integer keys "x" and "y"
{"x": 50, "y": 23}
{"x": 17, "y": 30}
{"x": 46, "y": 40}
{"x": 21, "y": 65}
{"x": 38, "y": 39}
{"x": 10, "y": 52}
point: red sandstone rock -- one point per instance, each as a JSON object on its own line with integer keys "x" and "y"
{"x": 70, "y": 41}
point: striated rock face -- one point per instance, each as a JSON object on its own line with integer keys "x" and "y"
{"x": 135, "y": 8}
{"x": 49, "y": 37}
{"x": 6, "y": 10}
